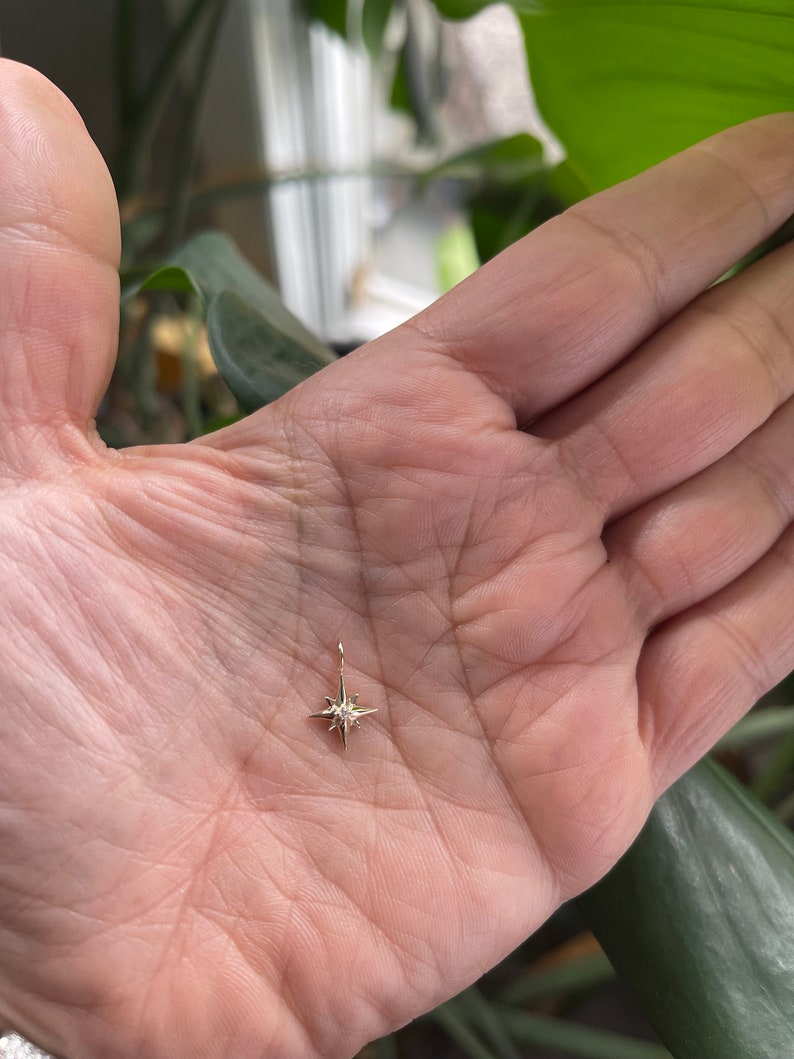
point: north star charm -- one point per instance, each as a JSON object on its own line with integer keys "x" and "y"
{"x": 342, "y": 711}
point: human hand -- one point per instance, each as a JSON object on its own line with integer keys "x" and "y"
{"x": 553, "y": 622}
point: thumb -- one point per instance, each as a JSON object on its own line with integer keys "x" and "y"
{"x": 59, "y": 247}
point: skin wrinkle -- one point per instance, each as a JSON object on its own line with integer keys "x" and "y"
{"x": 178, "y": 917}
{"x": 414, "y": 736}
{"x": 168, "y": 561}
{"x": 572, "y": 882}
{"x": 780, "y": 495}
{"x": 635, "y": 251}
{"x": 530, "y": 552}
{"x": 545, "y": 712}
{"x": 523, "y": 813}
{"x": 352, "y": 506}
{"x": 110, "y": 669}
{"x": 748, "y": 187}
{"x": 574, "y": 622}
{"x": 466, "y": 687}
{"x": 281, "y": 992}
{"x": 454, "y": 344}
{"x": 779, "y": 388}
{"x": 649, "y": 616}
{"x": 490, "y": 387}
{"x": 301, "y": 538}
{"x": 360, "y": 576}
{"x": 439, "y": 792}
{"x": 779, "y": 336}
{"x": 49, "y": 656}
{"x": 456, "y": 856}
{"x": 347, "y": 898}
{"x": 596, "y": 495}
{"x": 437, "y": 352}
{"x": 746, "y": 655}
{"x": 109, "y": 666}
{"x": 39, "y": 233}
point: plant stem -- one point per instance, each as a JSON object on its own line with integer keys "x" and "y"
{"x": 574, "y": 1040}
{"x": 766, "y": 723}
{"x": 456, "y": 1027}
{"x": 141, "y": 121}
{"x": 186, "y": 148}
{"x": 125, "y": 84}
{"x": 485, "y": 1015}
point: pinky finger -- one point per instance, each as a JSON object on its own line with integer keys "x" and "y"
{"x": 702, "y": 670}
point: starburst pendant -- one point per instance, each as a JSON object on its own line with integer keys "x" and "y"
{"x": 342, "y": 711}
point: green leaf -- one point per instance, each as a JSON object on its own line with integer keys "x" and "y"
{"x": 400, "y": 95}
{"x": 456, "y": 256}
{"x": 626, "y": 84}
{"x": 505, "y": 161}
{"x": 374, "y": 19}
{"x": 260, "y": 348}
{"x": 216, "y": 265}
{"x": 458, "y": 9}
{"x": 418, "y": 85}
{"x": 697, "y": 919}
{"x": 500, "y": 216}
{"x": 168, "y": 278}
{"x": 333, "y": 13}
{"x": 566, "y": 183}
{"x": 256, "y": 361}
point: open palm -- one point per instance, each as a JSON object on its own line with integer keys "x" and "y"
{"x": 549, "y": 520}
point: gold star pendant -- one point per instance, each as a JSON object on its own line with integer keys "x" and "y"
{"x": 342, "y": 711}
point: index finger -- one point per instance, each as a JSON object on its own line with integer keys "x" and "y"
{"x": 558, "y": 309}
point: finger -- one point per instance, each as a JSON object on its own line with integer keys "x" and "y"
{"x": 59, "y": 245}
{"x": 686, "y": 545}
{"x": 562, "y": 306}
{"x": 693, "y": 392}
{"x": 721, "y": 655}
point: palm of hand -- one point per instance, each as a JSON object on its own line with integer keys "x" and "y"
{"x": 192, "y": 858}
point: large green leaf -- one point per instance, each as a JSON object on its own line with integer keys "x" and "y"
{"x": 257, "y": 362}
{"x": 459, "y": 9}
{"x": 698, "y": 918}
{"x": 626, "y": 84}
{"x": 261, "y": 349}
{"x": 216, "y": 265}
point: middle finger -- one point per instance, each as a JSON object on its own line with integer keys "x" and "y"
{"x": 688, "y": 396}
